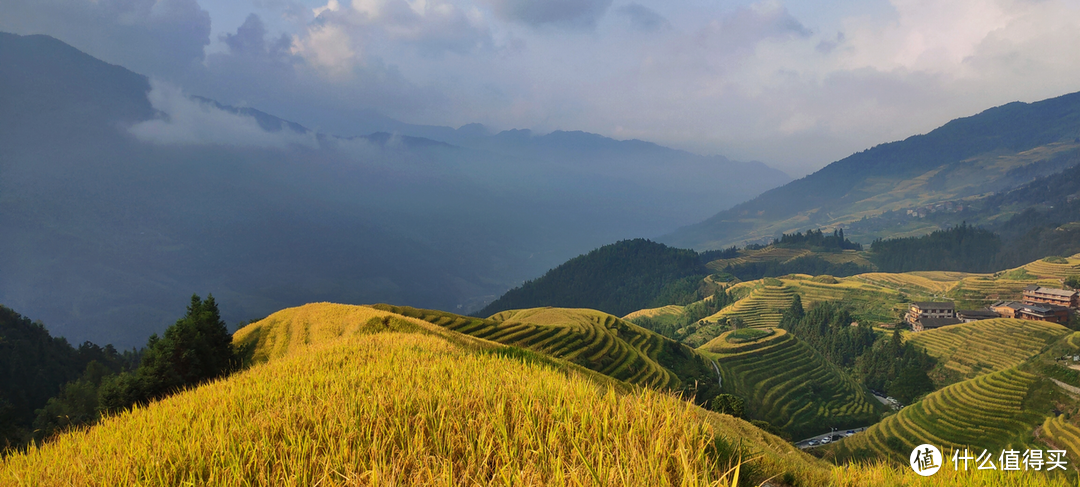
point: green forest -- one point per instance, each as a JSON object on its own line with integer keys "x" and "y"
{"x": 619, "y": 278}
{"x": 51, "y": 386}
{"x": 881, "y": 363}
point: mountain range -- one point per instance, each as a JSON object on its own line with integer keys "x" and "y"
{"x": 120, "y": 196}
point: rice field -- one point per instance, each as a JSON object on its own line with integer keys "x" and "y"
{"x": 1045, "y": 269}
{"x": 760, "y": 255}
{"x": 393, "y": 409}
{"x": 908, "y": 282}
{"x": 589, "y": 338}
{"x": 985, "y": 290}
{"x": 762, "y": 308}
{"x": 871, "y": 301}
{"x": 788, "y": 384}
{"x": 1059, "y": 433}
{"x": 671, "y": 310}
{"x": 966, "y": 350}
{"x": 985, "y": 412}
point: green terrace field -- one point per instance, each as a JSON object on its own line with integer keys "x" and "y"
{"x": 990, "y": 412}
{"x": 788, "y": 384}
{"x": 592, "y": 339}
{"x": 967, "y": 350}
{"x": 762, "y": 307}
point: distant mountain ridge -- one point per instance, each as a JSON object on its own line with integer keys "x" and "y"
{"x": 104, "y": 229}
{"x": 964, "y": 158}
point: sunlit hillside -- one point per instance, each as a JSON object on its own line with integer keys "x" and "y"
{"x": 352, "y": 395}
{"x": 968, "y": 350}
{"x": 354, "y": 408}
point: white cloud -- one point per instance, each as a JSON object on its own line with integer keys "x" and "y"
{"x": 792, "y": 82}
{"x": 191, "y": 122}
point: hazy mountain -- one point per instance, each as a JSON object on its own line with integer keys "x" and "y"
{"x": 960, "y": 162}
{"x": 120, "y": 197}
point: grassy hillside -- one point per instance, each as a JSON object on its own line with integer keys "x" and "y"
{"x": 997, "y": 149}
{"x": 788, "y": 384}
{"x": 967, "y": 350}
{"x": 390, "y": 408}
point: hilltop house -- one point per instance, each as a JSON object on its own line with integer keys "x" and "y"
{"x": 927, "y": 315}
{"x": 1035, "y": 295}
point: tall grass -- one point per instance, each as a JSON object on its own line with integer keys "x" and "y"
{"x": 393, "y": 409}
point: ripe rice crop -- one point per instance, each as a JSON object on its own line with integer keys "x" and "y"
{"x": 1045, "y": 269}
{"x": 984, "y": 412}
{"x": 966, "y": 350}
{"x": 406, "y": 409}
{"x": 788, "y": 384}
{"x": 761, "y": 308}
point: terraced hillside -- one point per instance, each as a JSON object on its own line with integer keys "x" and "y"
{"x": 664, "y": 314}
{"x": 974, "y": 292}
{"x": 592, "y": 339}
{"x": 294, "y": 329}
{"x": 392, "y": 408}
{"x": 967, "y": 350}
{"x": 991, "y": 412}
{"x": 783, "y": 254}
{"x": 1059, "y": 433}
{"x": 869, "y": 301}
{"x": 788, "y": 384}
{"x": 912, "y": 282}
{"x": 1045, "y": 269}
{"x": 761, "y": 308}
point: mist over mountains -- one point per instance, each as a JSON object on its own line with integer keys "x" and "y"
{"x": 121, "y": 196}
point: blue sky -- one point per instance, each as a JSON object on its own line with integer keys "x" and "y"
{"x": 795, "y": 84}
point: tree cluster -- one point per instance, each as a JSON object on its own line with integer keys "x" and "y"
{"x": 827, "y": 328}
{"x": 692, "y": 314}
{"x": 883, "y": 364}
{"x": 35, "y": 366}
{"x": 896, "y": 368}
{"x": 817, "y": 241}
{"x": 52, "y": 386}
{"x": 962, "y": 248}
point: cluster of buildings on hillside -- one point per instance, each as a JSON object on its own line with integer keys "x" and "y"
{"x": 1039, "y": 304}
{"x": 948, "y": 207}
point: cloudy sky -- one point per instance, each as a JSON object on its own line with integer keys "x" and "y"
{"x": 792, "y": 83}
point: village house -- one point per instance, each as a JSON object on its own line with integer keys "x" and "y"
{"x": 969, "y": 315}
{"x": 927, "y": 315}
{"x": 1044, "y": 295}
{"x": 1044, "y": 312}
{"x": 1007, "y": 309}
